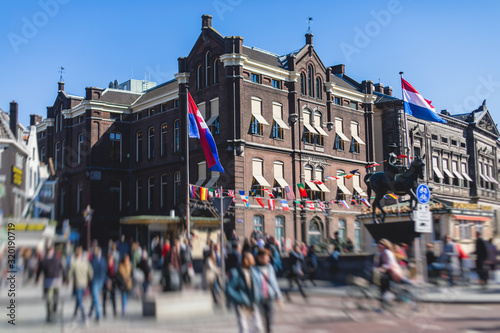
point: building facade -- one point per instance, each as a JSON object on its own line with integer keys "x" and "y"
{"x": 461, "y": 165}
{"x": 277, "y": 120}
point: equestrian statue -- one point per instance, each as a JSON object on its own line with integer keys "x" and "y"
{"x": 396, "y": 179}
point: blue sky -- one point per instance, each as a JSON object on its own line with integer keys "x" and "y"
{"x": 448, "y": 50}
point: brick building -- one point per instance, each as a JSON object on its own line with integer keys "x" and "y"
{"x": 277, "y": 121}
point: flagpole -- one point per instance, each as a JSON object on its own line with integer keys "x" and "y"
{"x": 407, "y": 138}
{"x": 188, "y": 224}
{"x": 223, "y": 269}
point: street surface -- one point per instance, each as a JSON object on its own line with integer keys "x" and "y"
{"x": 321, "y": 313}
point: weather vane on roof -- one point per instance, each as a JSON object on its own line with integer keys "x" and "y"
{"x": 61, "y": 71}
{"x": 309, "y": 22}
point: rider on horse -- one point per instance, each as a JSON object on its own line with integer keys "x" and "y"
{"x": 393, "y": 168}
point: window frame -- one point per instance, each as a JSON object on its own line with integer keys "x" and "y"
{"x": 151, "y": 142}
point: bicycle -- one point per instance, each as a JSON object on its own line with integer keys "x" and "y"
{"x": 363, "y": 300}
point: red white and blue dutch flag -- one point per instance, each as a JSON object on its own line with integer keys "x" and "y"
{"x": 417, "y": 106}
{"x": 199, "y": 129}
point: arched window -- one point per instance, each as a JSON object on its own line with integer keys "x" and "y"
{"x": 164, "y": 191}
{"x": 342, "y": 230}
{"x": 216, "y": 70}
{"x": 151, "y": 142}
{"x": 164, "y": 143}
{"x": 80, "y": 148}
{"x": 138, "y": 195}
{"x": 177, "y": 188}
{"x": 357, "y": 236}
{"x": 138, "y": 146}
{"x": 319, "y": 175}
{"x": 198, "y": 77}
{"x": 279, "y": 228}
{"x": 63, "y": 154}
{"x": 177, "y": 136}
{"x": 315, "y": 231}
{"x": 151, "y": 192}
{"x": 302, "y": 83}
{"x": 309, "y": 131}
{"x": 319, "y": 88}
{"x": 56, "y": 158}
{"x": 310, "y": 85}
{"x": 207, "y": 68}
{"x": 79, "y": 196}
{"x": 258, "y": 223}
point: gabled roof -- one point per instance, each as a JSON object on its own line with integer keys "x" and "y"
{"x": 263, "y": 56}
{"x": 481, "y": 117}
{"x": 381, "y": 98}
{"x": 123, "y": 97}
{"x": 5, "y": 132}
{"x": 154, "y": 92}
{"x": 345, "y": 81}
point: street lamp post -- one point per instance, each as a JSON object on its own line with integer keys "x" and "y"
{"x": 87, "y": 215}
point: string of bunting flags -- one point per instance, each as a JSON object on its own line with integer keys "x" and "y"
{"x": 205, "y": 194}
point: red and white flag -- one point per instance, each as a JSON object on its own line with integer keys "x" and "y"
{"x": 268, "y": 191}
{"x": 271, "y": 205}
{"x": 322, "y": 205}
{"x": 230, "y": 193}
{"x": 310, "y": 205}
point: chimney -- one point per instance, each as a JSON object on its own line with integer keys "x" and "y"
{"x": 367, "y": 86}
{"x": 93, "y": 93}
{"x": 13, "y": 118}
{"x": 60, "y": 84}
{"x": 445, "y": 112}
{"x": 338, "y": 69}
{"x": 309, "y": 39}
{"x": 233, "y": 44}
{"x": 388, "y": 90}
{"x": 379, "y": 87}
{"x": 35, "y": 119}
{"x": 206, "y": 21}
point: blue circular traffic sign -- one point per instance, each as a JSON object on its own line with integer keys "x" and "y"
{"x": 423, "y": 194}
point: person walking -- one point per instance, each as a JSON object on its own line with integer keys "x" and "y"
{"x": 481, "y": 253}
{"x": 99, "y": 267}
{"x": 187, "y": 260}
{"x": 450, "y": 259}
{"x": 81, "y": 272}
{"x": 296, "y": 273}
{"x": 242, "y": 290}
{"x": 492, "y": 258}
{"x": 269, "y": 288}
{"x": 109, "y": 284}
{"x": 124, "y": 280}
{"x": 53, "y": 271}
{"x": 144, "y": 266}
{"x": 213, "y": 275}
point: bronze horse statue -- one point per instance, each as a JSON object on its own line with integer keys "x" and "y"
{"x": 405, "y": 183}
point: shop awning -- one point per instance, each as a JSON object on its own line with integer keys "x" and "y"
{"x": 281, "y": 123}
{"x": 448, "y": 173}
{"x": 344, "y": 189}
{"x": 157, "y": 220}
{"x": 358, "y": 139}
{"x": 311, "y": 185}
{"x": 472, "y": 218}
{"x": 360, "y": 191}
{"x": 260, "y": 119}
{"x": 212, "y": 119}
{"x": 343, "y": 136}
{"x": 438, "y": 172}
{"x": 320, "y": 130}
{"x": 212, "y": 181}
{"x": 457, "y": 174}
{"x": 281, "y": 182}
{"x": 322, "y": 187}
{"x": 261, "y": 180}
{"x": 310, "y": 128}
{"x": 200, "y": 182}
{"x": 466, "y": 176}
